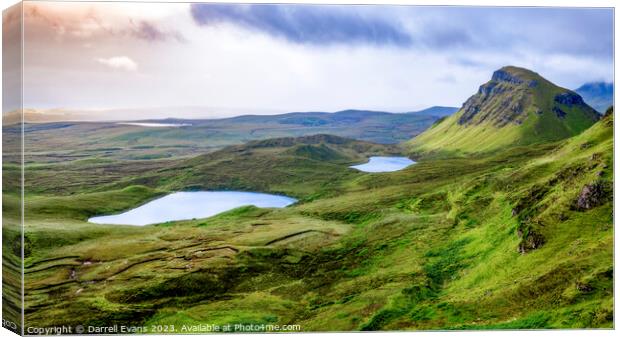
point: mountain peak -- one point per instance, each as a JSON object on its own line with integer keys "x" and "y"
{"x": 512, "y": 93}
{"x": 515, "y": 107}
{"x": 598, "y": 87}
{"x": 599, "y": 95}
{"x": 514, "y": 75}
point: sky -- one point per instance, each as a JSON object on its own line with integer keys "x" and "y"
{"x": 226, "y": 59}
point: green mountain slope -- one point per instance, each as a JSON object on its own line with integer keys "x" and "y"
{"x": 516, "y": 107}
{"x": 516, "y": 239}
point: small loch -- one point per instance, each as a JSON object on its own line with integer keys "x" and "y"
{"x": 189, "y": 205}
{"x": 384, "y": 164}
{"x": 155, "y": 125}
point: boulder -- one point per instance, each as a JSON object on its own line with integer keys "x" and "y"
{"x": 592, "y": 195}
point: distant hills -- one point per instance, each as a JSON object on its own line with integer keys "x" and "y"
{"x": 437, "y": 111}
{"x": 516, "y": 107}
{"x": 374, "y": 126}
{"x": 599, "y": 95}
{"x": 124, "y": 141}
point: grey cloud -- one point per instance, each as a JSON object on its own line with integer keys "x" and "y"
{"x": 574, "y": 31}
{"x": 314, "y": 24}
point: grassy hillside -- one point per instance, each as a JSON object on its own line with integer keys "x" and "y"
{"x": 516, "y": 107}
{"x": 514, "y": 239}
{"x": 299, "y": 167}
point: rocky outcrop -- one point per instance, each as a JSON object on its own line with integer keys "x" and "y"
{"x": 502, "y": 103}
{"x": 569, "y": 99}
{"x": 558, "y": 112}
{"x": 529, "y": 241}
{"x": 592, "y": 195}
{"x": 502, "y": 75}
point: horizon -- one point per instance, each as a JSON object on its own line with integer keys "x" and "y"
{"x": 264, "y": 59}
{"x": 101, "y": 114}
{"x": 198, "y": 112}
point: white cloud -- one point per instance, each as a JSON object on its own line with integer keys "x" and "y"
{"x": 119, "y": 62}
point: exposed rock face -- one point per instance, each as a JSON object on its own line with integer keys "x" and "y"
{"x": 593, "y": 195}
{"x": 559, "y": 112}
{"x": 504, "y": 76}
{"x": 508, "y": 77}
{"x": 502, "y": 102}
{"x": 509, "y": 96}
{"x": 569, "y": 99}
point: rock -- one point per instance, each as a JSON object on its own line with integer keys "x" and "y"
{"x": 487, "y": 89}
{"x": 592, "y": 195}
{"x": 559, "y": 112}
{"x": 504, "y": 76}
{"x": 531, "y": 241}
{"x": 568, "y": 99}
{"x": 583, "y": 287}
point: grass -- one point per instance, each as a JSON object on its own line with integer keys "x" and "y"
{"x": 434, "y": 246}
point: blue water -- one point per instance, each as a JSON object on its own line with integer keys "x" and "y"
{"x": 190, "y": 205}
{"x": 384, "y": 164}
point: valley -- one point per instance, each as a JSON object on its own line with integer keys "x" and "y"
{"x": 504, "y": 222}
{"x": 62, "y": 141}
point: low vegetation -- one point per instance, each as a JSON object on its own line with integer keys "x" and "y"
{"x": 490, "y": 242}
{"x": 516, "y": 238}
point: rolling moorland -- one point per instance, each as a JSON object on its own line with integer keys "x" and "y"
{"x": 505, "y": 222}
{"x": 72, "y": 141}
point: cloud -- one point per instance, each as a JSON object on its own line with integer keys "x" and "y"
{"x": 306, "y": 23}
{"x": 88, "y": 23}
{"x": 119, "y": 62}
{"x": 552, "y": 30}
{"x": 150, "y": 31}
{"x": 296, "y": 58}
{"x": 559, "y": 30}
